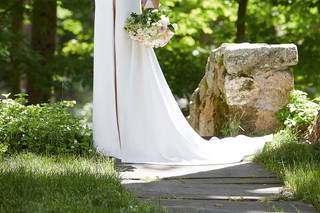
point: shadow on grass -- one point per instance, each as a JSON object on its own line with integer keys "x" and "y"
{"x": 31, "y": 183}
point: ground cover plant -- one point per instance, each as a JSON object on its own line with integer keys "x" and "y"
{"x": 290, "y": 156}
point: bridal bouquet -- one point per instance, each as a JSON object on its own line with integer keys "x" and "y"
{"x": 151, "y": 28}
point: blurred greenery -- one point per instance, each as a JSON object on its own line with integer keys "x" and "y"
{"x": 48, "y": 128}
{"x": 203, "y": 25}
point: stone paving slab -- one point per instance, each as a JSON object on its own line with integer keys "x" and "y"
{"x": 239, "y": 170}
{"x": 241, "y": 187}
{"x": 221, "y": 206}
{"x": 260, "y": 180}
{"x": 173, "y": 189}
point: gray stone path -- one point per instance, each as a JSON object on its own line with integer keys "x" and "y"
{"x": 241, "y": 187}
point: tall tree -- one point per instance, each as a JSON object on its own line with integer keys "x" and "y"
{"x": 43, "y": 37}
{"x": 16, "y": 28}
{"x": 241, "y": 23}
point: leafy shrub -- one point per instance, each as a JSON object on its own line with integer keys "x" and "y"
{"x": 43, "y": 128}
{"x": 300, "y": 112}
{"x": 3, "y": 150}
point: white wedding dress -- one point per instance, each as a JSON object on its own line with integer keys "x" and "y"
{"x": 136, "y": 117}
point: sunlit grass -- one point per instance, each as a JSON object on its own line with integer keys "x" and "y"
{"x": 297, "y": 164}
{"x": 33, "y": 183}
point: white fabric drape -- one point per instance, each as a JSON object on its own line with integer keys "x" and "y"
{"x": 150, "y": 127}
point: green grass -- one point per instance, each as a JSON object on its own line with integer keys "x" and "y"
{"x": 33, "y": 183}
{"x": 296, "y": 163}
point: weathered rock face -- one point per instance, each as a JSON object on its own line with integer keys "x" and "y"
{"x": 314, "y": 135}
{"x": 244, "y": 84}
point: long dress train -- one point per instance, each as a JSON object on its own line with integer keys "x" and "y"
{"x": 136, "y": 117}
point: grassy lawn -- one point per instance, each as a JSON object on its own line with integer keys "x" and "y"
{"x": 297, "y": 164}
{"x": 34, "y": 183}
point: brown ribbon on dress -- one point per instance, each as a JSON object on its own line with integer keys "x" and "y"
{"x": 115, "y": 69}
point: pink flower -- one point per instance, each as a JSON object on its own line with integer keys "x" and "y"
{"x": 169, "y": 34}
{"x": 162, "y": 29}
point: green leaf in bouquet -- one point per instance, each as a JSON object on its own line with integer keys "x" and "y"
{"x": 170, "y": 26}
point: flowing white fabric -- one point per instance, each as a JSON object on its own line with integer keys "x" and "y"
{"x": 136, "y": 117}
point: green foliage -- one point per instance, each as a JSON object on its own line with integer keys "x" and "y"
{"x": 297, "y": 164}
{"x": 45, "y": 128}
{"x": 33, "y": 183}
{"x": 300, "y": 112}
{"x": 72, "y": 62}
{"x": 3, "y": 149}
{"x": 203, "y": 25}
{"x": 233, "y": 128}
{"x": 144, "y": 19}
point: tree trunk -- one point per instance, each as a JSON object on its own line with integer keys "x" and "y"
{"x": 241, "y": 23}
{"x": 43, "y": 35}
{"x": 314, "y": 135}
{"x": 17, "y": 43}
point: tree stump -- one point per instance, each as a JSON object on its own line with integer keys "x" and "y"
{"x": 314, "y": 135}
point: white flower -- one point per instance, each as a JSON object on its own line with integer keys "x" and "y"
{"x": 175, "y": 26}
{"x": 153, "y": 33}
{"x": 140, "y": 31}
{"x": 165, "y": 20}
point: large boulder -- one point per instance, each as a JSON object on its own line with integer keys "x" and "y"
{"x": 314, "y": 135}
{"x": 243, "y": 87}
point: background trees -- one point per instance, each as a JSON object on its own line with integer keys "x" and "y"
{"x": 46, "y": 47}
{"x": 43, "y": 42}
